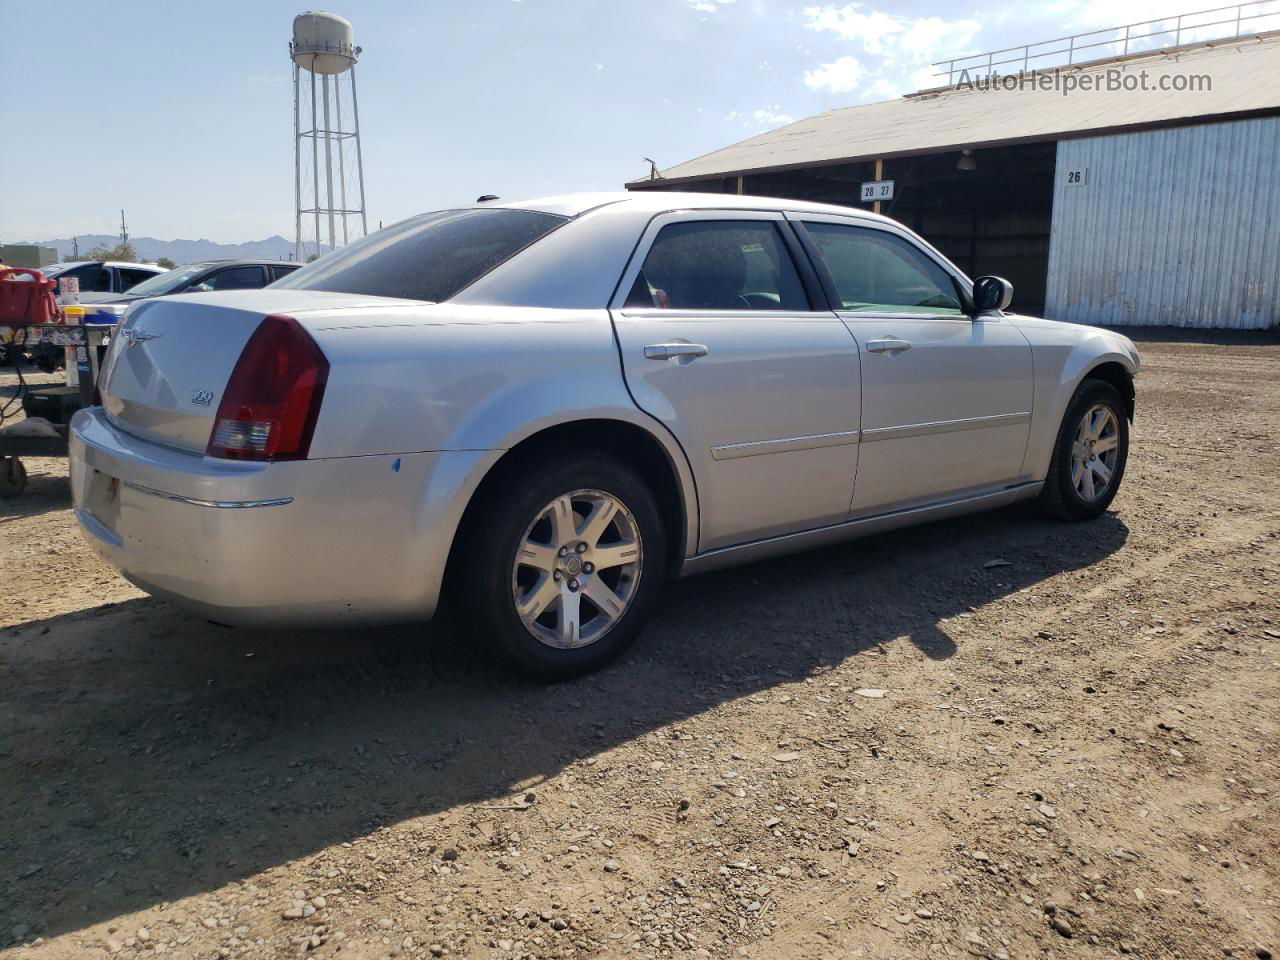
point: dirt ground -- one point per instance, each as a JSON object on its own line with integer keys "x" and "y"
{"x": 888, "y": 749}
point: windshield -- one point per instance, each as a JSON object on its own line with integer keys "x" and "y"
{"x": 163, "y": 283}
{"x": 430, "y": 257}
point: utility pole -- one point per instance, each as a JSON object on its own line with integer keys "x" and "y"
{"x": 124, "y": 231}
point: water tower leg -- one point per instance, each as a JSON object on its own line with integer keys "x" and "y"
{"x": 315, "y": 157}
{"x": 355, "y": 117}
{"x": 297, "y": 170}
{"x": 342, "y": 168}
{"x": 328, "y": 162}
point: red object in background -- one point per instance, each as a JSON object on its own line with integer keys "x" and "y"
{"x": 25, "y": 302}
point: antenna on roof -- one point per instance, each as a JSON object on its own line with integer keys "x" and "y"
{"x": 485, "y": 198}
{"x": 654, "y": 173}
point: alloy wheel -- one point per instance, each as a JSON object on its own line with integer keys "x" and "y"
{"x": 1094, "y": 452}
{"x": 577, "y": 568}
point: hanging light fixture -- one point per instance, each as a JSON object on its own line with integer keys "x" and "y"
{"x": 967, "y": 162}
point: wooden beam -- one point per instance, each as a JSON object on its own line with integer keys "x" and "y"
{"x": 879, "y": 175}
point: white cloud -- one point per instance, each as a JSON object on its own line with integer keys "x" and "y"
{"x": 895, "y": 51}
{"x": 708, "y": 6}
{"x": 838, "y": 76}
{"x": 871, "y": 30}
{"x": 886, "y": 34}
{"x": 1086, "y": 14}
{"x": 926, "y": 37}
{"x": 772, "y": 117}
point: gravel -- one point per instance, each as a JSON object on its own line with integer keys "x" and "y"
{"x": 879, "y": 749}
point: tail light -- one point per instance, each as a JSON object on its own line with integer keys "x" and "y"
{"x": 272, "y": 401}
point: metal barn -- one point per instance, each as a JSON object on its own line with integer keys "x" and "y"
{"x": 1151, "y": 197}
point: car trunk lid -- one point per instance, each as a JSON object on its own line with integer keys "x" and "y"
{"x": 167, "y": 368}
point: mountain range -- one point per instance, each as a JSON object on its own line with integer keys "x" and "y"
{"x": 179, "y": 251}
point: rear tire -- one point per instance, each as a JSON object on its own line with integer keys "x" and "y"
{"x": 1089, "y": 455}
{"x": 560, "y": 563}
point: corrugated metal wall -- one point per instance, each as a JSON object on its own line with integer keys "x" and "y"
{"x": 1176, "y": 227}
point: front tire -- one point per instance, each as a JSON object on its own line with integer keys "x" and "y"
{"x": 562, "y": 563}
{"x": 1089, "y": 455}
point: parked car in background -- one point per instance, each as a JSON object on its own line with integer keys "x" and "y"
{"x": 201, "y": 277}
{"x": 543, "y": 409}
{"x": 97, "y": 278}
{"x": 102, "y": 276}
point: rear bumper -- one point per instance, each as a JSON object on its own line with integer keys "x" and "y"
{"x": 330, "y": 542}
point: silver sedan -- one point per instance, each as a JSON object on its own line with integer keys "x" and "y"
{"x": 546, "y": 408}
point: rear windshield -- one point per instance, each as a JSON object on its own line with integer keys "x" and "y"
{"x": 430, "y": 257}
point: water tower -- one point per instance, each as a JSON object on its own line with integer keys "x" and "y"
{"x": 323, "y": 47}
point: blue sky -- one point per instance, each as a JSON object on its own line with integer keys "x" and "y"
{"x": 182, "y": 113}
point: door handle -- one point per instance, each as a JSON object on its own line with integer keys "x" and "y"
{"x": 680, "y": 352}
{"x": 888, "y": 345}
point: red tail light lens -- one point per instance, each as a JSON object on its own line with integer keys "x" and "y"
{"x": 271, "y": 404}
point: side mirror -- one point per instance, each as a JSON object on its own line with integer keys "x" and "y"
{"x": 991, "y": 293}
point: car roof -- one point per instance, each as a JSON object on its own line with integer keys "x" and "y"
{"x": 250, "y": 262}
{"x": 657, "y": 201}
{"x": 68, "y": 264}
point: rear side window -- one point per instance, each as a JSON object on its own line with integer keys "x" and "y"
{"x": 233, "y": 278}
{"x": 431, "y": 257}
{"x": 719, "y": 265}
{"x": 131, "y": 278}
{"x": 93, "y": 278}
{"x": 875, "y": 271}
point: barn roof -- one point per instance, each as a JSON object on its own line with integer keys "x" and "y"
{"x": 1241, "y": 72}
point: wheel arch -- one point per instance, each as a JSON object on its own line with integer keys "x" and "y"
{"x": 659, "y": 461}
{"x": 1117, "y": 374}
{"x": 1060, "y": 368}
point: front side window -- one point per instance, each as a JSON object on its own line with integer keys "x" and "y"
{"x": 879, "y": 272}
{"x": 719, "y": 265}
{"x": 431, "y": 257}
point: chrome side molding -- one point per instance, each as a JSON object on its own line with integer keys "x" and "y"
{"x": 731, "y": 451}
{"x": 944, "y": 426}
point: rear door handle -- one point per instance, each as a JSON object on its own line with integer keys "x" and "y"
{"x": 888, "y": 345}
{"x": 681, "y": 352}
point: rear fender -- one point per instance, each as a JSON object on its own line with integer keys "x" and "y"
{"x": 473, "y": 385}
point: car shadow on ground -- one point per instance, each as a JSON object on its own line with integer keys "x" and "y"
{"x": 45, "y": 492}
{"x": 150, "y": 756}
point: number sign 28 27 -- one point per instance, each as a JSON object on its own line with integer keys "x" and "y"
{"x": 877, "y": 190}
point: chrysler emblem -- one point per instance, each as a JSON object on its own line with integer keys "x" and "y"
{"x": 133, "y": 336}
